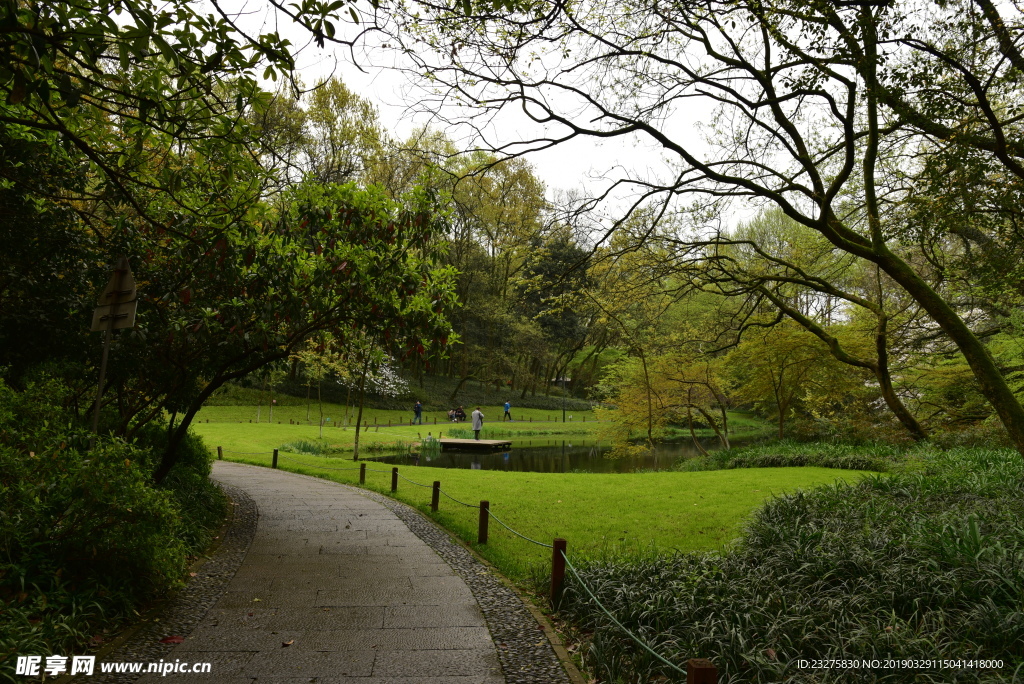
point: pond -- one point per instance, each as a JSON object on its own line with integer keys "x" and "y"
{"x": 554, "y": 456}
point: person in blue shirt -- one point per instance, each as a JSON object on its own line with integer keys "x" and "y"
{"x": 508, "y": 408}
{"x": 417, "y": 411}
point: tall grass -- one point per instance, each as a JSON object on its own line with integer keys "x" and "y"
{"x": 789, "y": 453}
{"x": 926, "y": 564}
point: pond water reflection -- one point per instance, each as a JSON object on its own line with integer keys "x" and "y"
{"x": 554, "y": 456}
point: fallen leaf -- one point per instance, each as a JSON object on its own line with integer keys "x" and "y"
{"x": 285, "y": 644}
{"x": 172, "y": 640}
{"x": 191, "y": 574}
{"x": 254, "y": 600}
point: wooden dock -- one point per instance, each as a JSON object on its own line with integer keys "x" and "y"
{"x": 471, "y": 444}
{"x": 468, "y": 444}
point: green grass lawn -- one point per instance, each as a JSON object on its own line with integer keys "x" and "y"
{"x": 598, "y": 514}
{"x": 337, "y": 412}
{"x": 246, "y": 437}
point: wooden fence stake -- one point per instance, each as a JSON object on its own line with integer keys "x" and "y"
{"x": 220, "y": 453}
{"x": 485, "y": 507}
{"x": 362, "y": 473}
{"x": 557, "y": 572}
{"x": 701, "y": 671}
{"x": 273, "y": 463}
{"x": 435, "y": 496}
{"x": 394, "y": 479}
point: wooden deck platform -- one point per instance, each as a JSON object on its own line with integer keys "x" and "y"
{"x": 447, "y": 443}
{"x": 470, "y": 444}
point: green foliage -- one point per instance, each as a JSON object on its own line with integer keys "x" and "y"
{"x": 85, "y": 537}
{"x": 306, "y": 447}
{"x": 923, "y": 564}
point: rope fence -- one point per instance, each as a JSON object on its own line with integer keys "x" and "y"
{"x": 698, "y": 670}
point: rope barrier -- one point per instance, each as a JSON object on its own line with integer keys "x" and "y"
{"x": 616, "y": 622}
{"x": 247, "y": 453}
{"x": 549, "y": 546}
{"x": 457, "y": 501}
{"x": 312, "y": 465}
{"x": 415, "y": 483}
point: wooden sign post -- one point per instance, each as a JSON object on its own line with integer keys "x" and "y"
{"x": 116, "y": 310}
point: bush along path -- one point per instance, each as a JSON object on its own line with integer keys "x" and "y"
{"x": 915, "y": 577}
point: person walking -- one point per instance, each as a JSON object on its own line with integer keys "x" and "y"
{"x": 417, "y": 412}
{"x": 508, "y": 408}
{"x": 478, "y": 423}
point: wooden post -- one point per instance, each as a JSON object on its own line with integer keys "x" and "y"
{"x": 435, "y": 496}
{"x": 220, "y": 453}
{"x": 394, "y": 479}
{"x": 273, "y": 463}
{"x": 557, "y": 572}
{"x": 362, "y": 473}
{"x": 485, "y": 507}
{"x": 701, "y": 671}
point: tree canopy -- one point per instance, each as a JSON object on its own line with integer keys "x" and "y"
{"x": 841, "y": 115}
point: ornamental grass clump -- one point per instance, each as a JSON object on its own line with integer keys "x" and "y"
{"x": 926, "y": 565}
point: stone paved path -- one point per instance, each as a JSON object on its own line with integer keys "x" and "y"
{"x": 336, "y": 588}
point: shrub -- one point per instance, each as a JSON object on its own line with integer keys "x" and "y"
{"x": 788, "y": 453}
{"x": 304, "y": 447}
{"x": 84, "y": 535}
{"x": 924, "y": 564}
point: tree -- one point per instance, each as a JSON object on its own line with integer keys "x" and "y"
{"x": 825, "y": 110}
{"x": 776, "y": 263}
{"x": 778, "y": 367}
{"x": 342, "y": 134}
{"x": 217, "y": 307}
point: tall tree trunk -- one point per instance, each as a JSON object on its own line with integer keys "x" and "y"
{"x": 650, "y": 410}
{"x": 714, "y": 426}
{"x": 725, "y": 425}
{"x": 892, "y": 399}
{"x": 359, "y": 415}
{"x": 693, "y": 433}
{"x": 458, "y": 387}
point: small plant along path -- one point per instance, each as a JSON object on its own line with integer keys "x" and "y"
{"x": 336, "y": 587}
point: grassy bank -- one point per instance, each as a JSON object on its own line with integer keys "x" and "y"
{"x": 923, "y": 565}
{"x": 789, "y": 453}
{"x": 435, "y": 393}
{"x": 297, "y": 413}
{"x": 246, "y": 437}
